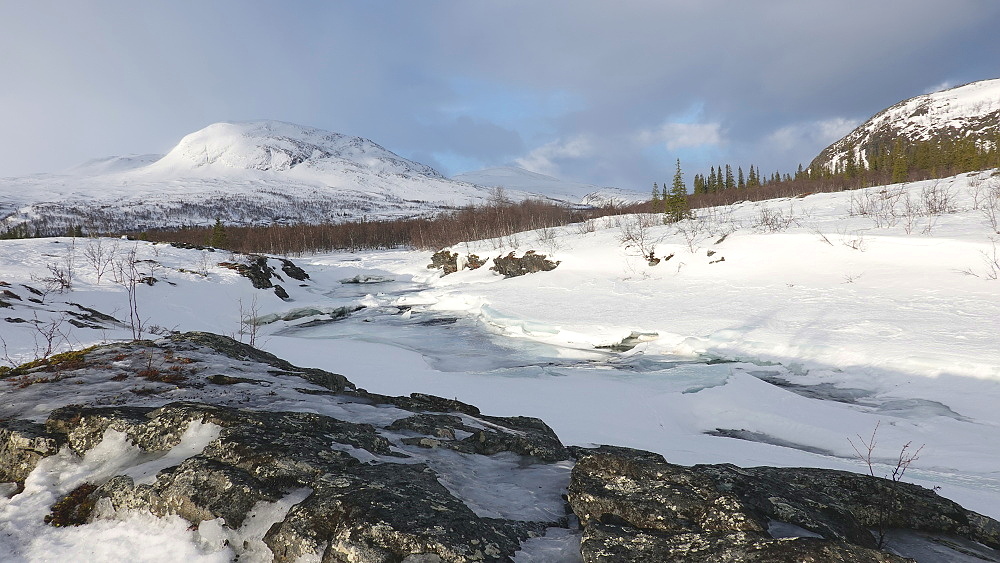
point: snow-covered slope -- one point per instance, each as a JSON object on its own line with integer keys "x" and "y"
{"x": 513, "y": 178}
{"x": 969, "y": 110}
{"x": 228, "y": 148}
{"x": 243, "y": 173}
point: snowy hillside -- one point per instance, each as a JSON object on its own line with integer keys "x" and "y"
{"x": 519, "y": 179}
{"x": 969, "y": 110}
{"x": 243, "y": 173}
{"x": 225, "y": 148}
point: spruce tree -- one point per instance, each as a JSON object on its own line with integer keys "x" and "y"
{"x": 699, "y": 184}
{"x": 741, "y": 182}
{"x": 656, "y": 193}
{"x": 900, "y": 166}
{"x": 676, "y": 204}
{"x": 217, "y": 239}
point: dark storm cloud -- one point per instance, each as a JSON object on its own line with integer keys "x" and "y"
{"x": 601, "y": 92}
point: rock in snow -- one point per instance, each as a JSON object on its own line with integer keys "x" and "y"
{"x": 210, "y": 430}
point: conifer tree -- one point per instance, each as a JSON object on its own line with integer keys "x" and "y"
{"x": 900, "y": 168}
{"x": 675, "y": 201}
{"x": 699, "y": 184}
{"x": 217, "y": 239}
{"x": 753, "y": 180}
{"x": 740, "y": 180}
{"x": 730, "y": 181}
{"x": 656, "y": 193}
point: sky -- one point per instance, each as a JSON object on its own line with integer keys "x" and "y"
{"x": 608, "y": 93}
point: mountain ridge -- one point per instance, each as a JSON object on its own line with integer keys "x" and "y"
{"x": 960, "y": 112}
{"x": 243, "y": 173}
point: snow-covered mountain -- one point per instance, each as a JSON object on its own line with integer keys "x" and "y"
{"x": 519, "y": 179}
{"x": 259, "y": 172}
{"x": 970, "y": 110}
{"x": 231, "y": 148}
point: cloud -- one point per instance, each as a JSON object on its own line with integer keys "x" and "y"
{"x": 682, "y": 135}
{"x": 947, "y": 84}
{"x": 822, "y": 132}
{"x": 481, "y": 82}
{"x": 548, "y": 158}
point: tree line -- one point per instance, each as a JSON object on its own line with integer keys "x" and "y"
{"x": 496, "y": 220}
{"x": 874, "y": 164}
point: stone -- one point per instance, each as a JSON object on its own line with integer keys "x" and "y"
{"x": 510, "y": 266}
{"x": 634, "y": 506}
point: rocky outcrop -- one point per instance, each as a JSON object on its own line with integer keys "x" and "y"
{"x": 634, "y": 506}
{"x": 260, "y": 273}
{"x": 217, "y": 429}
{"x": 376, "y": 479}
{"x": 445, "y": 261}
{"x": 22, "y": 445}
{"x": 511, "y": 266}
{"x": 451, "y": 262}
{"x": 386, "y": 510}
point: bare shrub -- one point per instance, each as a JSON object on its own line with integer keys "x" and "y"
{"x": 100, "y": 256}
{"x": 911, "y": 211}
{"x": 546, "y": 237}
{"x": 770, "y": 220}
{"x": 59, "y": 279}
{"x": 127, "y": 274}
{"x": 692, "y": 231}
{"x": 855, "y": 240}
{"x": 249, "y": 326}
{"x": 991, "y": 259}
{"x": 937, "y": 199}
{"x": 986, "y": 198}
{"x": 719, "y": 220}
{"x": 878, "y": 205}
{"x": 584, "y": 227}
{"x": 885, "y": 487}
{"x": 47, "y": 336}
{"x": 636, "y": 233}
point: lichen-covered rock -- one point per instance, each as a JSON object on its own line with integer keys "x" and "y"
{"x": 641, "y": 490}
{"x": 529, "y": 437}
{"x": 363, "y": 492}
{"x": 386, "y": 510}
{"x": 849, "y": 503}
{"x": 607, "y": 543}
{"x": 367, "y": 478}
{"x": 511, "y": 266}
{"x": 22, "y": 445}
{"x": 451, "y": 262}
{"x": 445, "y": 261}
{"x": 234, "y": 349}
{"x": 635, "y": 506}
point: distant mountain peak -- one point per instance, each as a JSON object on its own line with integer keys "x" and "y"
{"x": 279, "y": 146}
{"x": 519, "y": 179}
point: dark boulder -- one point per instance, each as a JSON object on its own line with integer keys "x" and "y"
{"x": 635, "y": 506}
{"x": 511, "y": 266}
